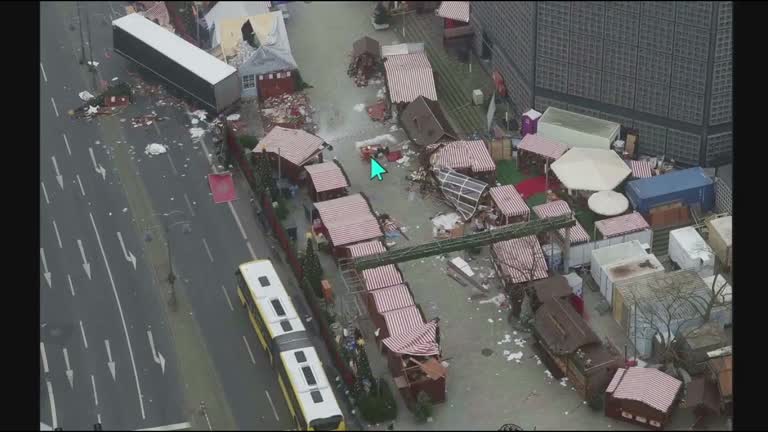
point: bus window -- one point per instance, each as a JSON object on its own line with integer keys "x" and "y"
{"x": 326, "y": 424}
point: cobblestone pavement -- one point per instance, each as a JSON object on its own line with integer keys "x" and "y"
{"x": 484, "y": 391}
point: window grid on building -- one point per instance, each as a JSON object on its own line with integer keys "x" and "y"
{"x": 584, "y": 82}
{"x": 652, "y": 98}
{"x": 249, "y": 81}
{"x": 653, "y": 139}
{"x": 621, "y": 26}
{"x": 690, "y": 75}
{"x": 719, "y": 145}
{"x": 653, "y": 66}
{"x": 553, "y": 43}
{"x": 586, "y": 50}
{"x": 588, "y": 18}
{"x": 686, "y": 106}
{"x": 659, "y": 9}
{"x": 694, "y": 13}
{"x": 720, "y": 110}
{"x": 683, "y": 146}
{"x": 618, "y": 90}
{"x": 691, "y": 42}
{"x": 657, "y": 34}
{"x": 620, "y": 59}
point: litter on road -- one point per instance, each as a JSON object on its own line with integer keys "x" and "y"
{"x": 155, "y": 149}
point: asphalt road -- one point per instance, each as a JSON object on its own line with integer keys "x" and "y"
{"x": 204, "y": 257}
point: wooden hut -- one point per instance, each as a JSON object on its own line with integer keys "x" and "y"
{"x": 642, "y": 396}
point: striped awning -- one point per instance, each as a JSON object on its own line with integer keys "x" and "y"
{"x": 521, "y": 259}
{"x": 578, "y": 234}
{"x": 294, "y": 145}
{"x": 410, "y": 76}
{"x": 381, "y": 277}
{"x": 640, "y": 169}
{"x": 348, "y": 220}
{"x": 372, "y": 247}
{"x": 392, "y": 298}
{"x": 327, "y": 176}
{"x": 455, "y": 10}
{"x": 620, "y": 225}
{"x": 509, "y": 201}
{"x": 649, "y": 386}
{"x": 420, "y": 341}
{"x": 459, "y": 155}
{"x": 403, "y": 320}
{"x": 552, "y": 209}
{"x": 542, "y": 146}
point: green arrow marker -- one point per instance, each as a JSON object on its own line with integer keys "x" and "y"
{"x": 377, "y": 170}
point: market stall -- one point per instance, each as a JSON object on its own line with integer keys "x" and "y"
{"x": 346, "y": 221}
{"x": 290, "y": 150}
{"x": 466, "y": 157}
{"x": 327, "y": 180}
{"x": 510, "y": 203}
{"x": 409, "y": 75}
{"x": 535, "y": 153}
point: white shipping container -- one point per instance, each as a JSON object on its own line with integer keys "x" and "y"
{"x": 577, "y": 130}
{"x": 689, "y": 251}
{"x": 609, "y": 255}
{"x": 628, "y": 269}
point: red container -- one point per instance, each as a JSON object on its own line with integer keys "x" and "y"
{"x": 578, "y": 304}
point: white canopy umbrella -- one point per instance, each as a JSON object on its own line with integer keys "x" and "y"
{"x": 608, "y": 203}
{"x": 590, "y": 169}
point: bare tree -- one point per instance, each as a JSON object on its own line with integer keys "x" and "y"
{"x": 522, "y": 270}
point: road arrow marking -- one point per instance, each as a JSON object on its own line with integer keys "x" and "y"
{"x": 59, "y": 177}
{"x": 71, "y": 287}
{"x": 86, "y": 266}
{"x": 156, "y": 355}
{"x": 99, "y": 169}
{"x": 128, "y": 255}
{"x": 66, "y": 141}
{"x": 69, "y": 371}
{"x": 46, "y": 273}
{"x": 45, "y": 357}
{"x": 110, "y": 363}
{"x": 58, "y": 237}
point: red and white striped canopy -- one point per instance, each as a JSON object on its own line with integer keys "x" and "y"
{"x": 417, "y": 342}
{"x": 455, "y": 10}
{"x": 372, "y": 247}
{"x": 521, "y": 259}
{"x": 620, "y": 225}
{"x": 392, "y": 298}
{"x": 403, "y": 320}
{"x": 326, "y": 176}
{"x": 294, "y": 145}
{"x": 542, "y": 146}
{"x": 509, "y": 201}
{"x": 381, "y": 277}
{"x": 410, "y": 76}
{"x": 578, "y": 234}
{"x": 348, "y": 220}
{"x": 645, "y": 385}
{"x": 552, "y": 209}
{"x": 458, "y": 155}
{"x": 640, "y": 169}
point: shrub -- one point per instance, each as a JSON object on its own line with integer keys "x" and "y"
{"x": 379, "y": 405}
{"x": 423, "y": 407}
{"x": 247, "y": 141}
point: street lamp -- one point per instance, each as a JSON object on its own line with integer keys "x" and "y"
{"x": 186, "y": 228}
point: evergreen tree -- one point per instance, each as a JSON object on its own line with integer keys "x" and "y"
{"x": 263, "y": 173}
{"x": 313, "y": 271}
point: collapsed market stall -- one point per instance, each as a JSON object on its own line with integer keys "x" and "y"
{"x": 466, "y": 157}
{"x": 462, "y": 192}
{"x": 366, "y": 61}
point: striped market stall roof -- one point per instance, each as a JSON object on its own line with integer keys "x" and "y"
{"x": 521, "y": 259}
{"x": 294, "y": 145}
{"x": 403, "y": 320}
{"x": 509, "y": 201}
{"x": 348, "y": 220}
{"x": 640, "y": 169}
{"x": 381, "y": 277}
{"x": 420, "y": 341}
{"x": 458, "y": 155}
{"x": 327, "y": 176}
{"x": 367, "y": 248}
{"x": 542, "y": 146}
{"x": 552, "y": 209}
{"x": 455, "y": 10}
{"x": 621, "y": 225}
{"x": 578, "y": 234}
{"x": 645, "y": 385}
{"x": 410, "y": 76}
{"x": 392, "y": 298}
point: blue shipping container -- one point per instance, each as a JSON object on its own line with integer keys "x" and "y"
{"x": 690, "y": 186}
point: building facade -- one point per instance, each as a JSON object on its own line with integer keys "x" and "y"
{"x": 663, "y": 68}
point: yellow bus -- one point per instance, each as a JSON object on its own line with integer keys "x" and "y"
{"x": 282, "y": 335}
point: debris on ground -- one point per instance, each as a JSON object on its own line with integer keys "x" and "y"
{"x": 359, "y": 107}
{"x": 147, "y": 119}
{"x": 379, "y": 111}
{"x": 233, "y": 117}
{"x": 106, "y": 103}
{"x": 376, "y": 141}
{"x": 291, "y": 111}
{"x": 445, "y": 224}
{"x": 365, "y": 69}
{"x": 155, "y": 149}
{"x": 85, "y": 96}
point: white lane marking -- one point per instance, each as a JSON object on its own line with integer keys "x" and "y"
{"x": 189, "y": 204}
{"x": 173, "y": 166}
{"x": 274, "y": 411}
{"x": 110, "y": 362}
{"x": 250, "y": 249}
{"x": 237, "y": 219}
{"x": 66, "y": 141}
{"x": 171, "y": 427}
{"x": 71, "y": 287}
{"x": 208, "y": 156}
{"x": 205, "y": 243}
{"x": 42, "y": 69}
{"x": 229, "y": 302}
{"x": 86, "y": 264}
{"x": 82, "y": 191}
{"x": 97, "y": 167}
{"x": 53, "y": 404}
{"x": 82, "y": 331}
{"x": 156, "y": 355}
{"x": 46, "y": 273}
{"x": 59, "y": 177}
{"x": 98, "y": 418}
{"x": 45, "y": 193}
{"x": 69, "y": 372}
{"x": 54, "y": 106}
{"x": 95, "y": 395}
{"x": 55, "y": 228}
{"x": 250, "y": 353}
{"x": 128, "y": 254}
{"x": 45, "y": 357}
{"x": 122, "y": 318}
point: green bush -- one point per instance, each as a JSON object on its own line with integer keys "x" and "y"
{"x": 379, "y": 406}
{"x": 423, "y": 407}
{"x": 282, "y": 208}
{"x": 247, "y": 141}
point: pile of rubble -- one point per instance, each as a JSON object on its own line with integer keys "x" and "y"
{"x": 365, "y": 68}
{"x": 147, "y": 120}
{"x": 291, "y": 111}
{"x": 108, "y": 102}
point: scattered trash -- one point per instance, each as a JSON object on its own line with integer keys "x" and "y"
{"x": 292, "y": 111}
{"x": 359, "y": 107}
{"x": 195, "y": 121}
{"x": 514, "y": 356}
{"x": 114, "y": 79}
{"x": 125, "y": 209}
{"x": 394, "y": 128}
{"x": 196, "y": 132}
{"x": 377, "y": 140}
{"x": 93, "y": 63}
{"x": 490, "y": 320}
{"x": 85, "y": 96}
{"x": 155, "y": 149}
{"x": 498, "y": 300}
{"x": 233, "y": 117}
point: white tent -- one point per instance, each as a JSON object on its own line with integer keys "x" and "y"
{"x": 462, "y": 191}
{"x": 608, "y": 203}
{"x": 590, "y": 169}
